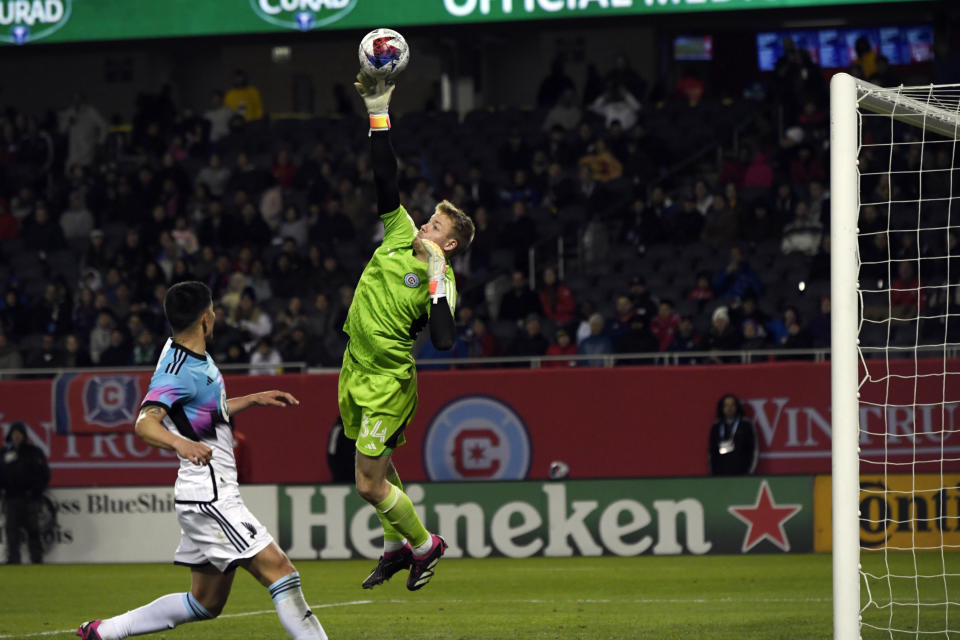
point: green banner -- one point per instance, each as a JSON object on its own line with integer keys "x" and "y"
{"x": 50, "y": 21}
{"x": 558, "y": 519}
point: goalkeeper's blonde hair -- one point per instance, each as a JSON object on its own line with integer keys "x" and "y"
{"x": 461, "y": 225}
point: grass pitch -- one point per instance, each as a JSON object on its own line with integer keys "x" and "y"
{"x": 707, "y": 597}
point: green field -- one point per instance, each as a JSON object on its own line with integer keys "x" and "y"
{"x": 678, "y": 597}
{"x": 706, "y": 597}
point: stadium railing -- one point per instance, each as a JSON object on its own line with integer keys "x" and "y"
{"x": 658, "y": 358}
{"x": 662, "y": 358}
{"x": 281, "y": 368}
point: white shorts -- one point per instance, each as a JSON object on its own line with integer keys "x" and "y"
{"x": 221, "y": 533}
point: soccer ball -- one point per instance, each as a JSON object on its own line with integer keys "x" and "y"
{"x": 383, "y": 53}
{"x": 558, "y": 470}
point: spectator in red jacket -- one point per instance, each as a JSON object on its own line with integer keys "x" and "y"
{"x": 562, "y": 346}
{"x": 759, "y": 174}
{"x": 9, "y": 225}
{"x": 664, "y": 325}
{"x": 556, "y": 298}
{"x": 690, "y": 88}
{"x": 734, "y": 167}
{"x": 482, "y": 343}
{"x": 806, "y": 167}
{"x": 703, "y": 292}
{"x": 284, "y": 170}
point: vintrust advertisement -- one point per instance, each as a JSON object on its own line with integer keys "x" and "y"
{"x": 493, "y": 425}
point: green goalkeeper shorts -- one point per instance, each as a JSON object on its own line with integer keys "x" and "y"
{"x": 375, "y": 408}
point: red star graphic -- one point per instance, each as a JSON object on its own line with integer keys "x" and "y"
{"x": 477, "y": 452}
{"x": 764, "y": 519}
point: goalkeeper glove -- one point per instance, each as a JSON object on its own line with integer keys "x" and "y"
{"x": 436, "y": 268}
{"x": 376, "y": 93}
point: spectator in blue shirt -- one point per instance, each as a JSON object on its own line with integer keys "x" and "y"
{"x": 737, "y": 279}
{"x": 598, "y": 343}
{"x": 430, "y": 352}
{"x": 779, "y": 328}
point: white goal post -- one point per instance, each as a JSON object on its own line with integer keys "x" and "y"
{"x": 844, "y": 358}
{"x": 880, "y": 139}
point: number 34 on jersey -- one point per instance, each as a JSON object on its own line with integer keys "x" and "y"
{"x": 375, "y": 432}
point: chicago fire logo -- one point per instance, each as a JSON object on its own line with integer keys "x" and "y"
{"x": 110, "y": 401}
{"x": 477, "y": 438}
{"x": 93, "y": 402}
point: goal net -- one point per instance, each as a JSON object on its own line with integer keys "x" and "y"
{"x": 895, "y": 271}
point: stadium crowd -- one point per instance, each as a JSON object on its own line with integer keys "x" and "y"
{"x": 278, "y": 217}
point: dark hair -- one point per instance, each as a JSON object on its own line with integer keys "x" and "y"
{"x": 16, "y": 426}
{"x": 723, "y": 399}
{"x": 184, "y": 304}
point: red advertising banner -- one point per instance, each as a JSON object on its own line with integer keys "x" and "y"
{"x": 511, "y": 424}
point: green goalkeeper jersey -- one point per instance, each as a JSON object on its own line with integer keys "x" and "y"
{"x": 392, "y": 301}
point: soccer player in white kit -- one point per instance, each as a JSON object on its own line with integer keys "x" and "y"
{"x": 186, "y": 410}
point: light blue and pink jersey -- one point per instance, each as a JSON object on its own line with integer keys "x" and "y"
{"x": 190, "y": 388}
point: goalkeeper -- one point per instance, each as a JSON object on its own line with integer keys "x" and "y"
{"x": 406, "y": 285}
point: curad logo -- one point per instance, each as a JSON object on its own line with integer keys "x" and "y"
{"x": 30, "y": 20}
{"x": 302, "y": 15}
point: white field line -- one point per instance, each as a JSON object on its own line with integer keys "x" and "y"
{"x": 351, "y": 603}
{"x": 328, "y": 605}
{"x": 618, "y": 601}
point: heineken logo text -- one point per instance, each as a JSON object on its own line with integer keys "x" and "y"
{"x": 551, "y": 525}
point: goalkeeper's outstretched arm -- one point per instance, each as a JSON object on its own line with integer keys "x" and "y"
{"x": 384, "y": 163}
{"x": 376, "y": 93}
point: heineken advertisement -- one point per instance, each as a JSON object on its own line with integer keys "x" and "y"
{"x": 560, "y": 519}
{"x": 51, "y": 21}
{"x": 624, "y": 517}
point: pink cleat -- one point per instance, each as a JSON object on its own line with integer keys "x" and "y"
{"x": 421, "y": 569}
{"x": 389, "y": 564}
{"x": 88, "y": 630}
